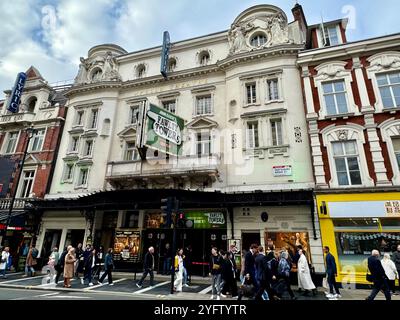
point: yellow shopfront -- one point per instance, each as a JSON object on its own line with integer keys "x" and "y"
{"x": 352, "y": 225}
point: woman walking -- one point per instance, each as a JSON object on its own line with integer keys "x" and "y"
{"x": 215, "y": 265}
{"x": 69, "y": 267}
{"x": 108, "y": 267}
{"x": 304, "y": 275}
{"x": 390, "y": 270}
{"x": 53, "y": 259}
{"x": 178, "y": 265}
{"x": 284, "y": 272}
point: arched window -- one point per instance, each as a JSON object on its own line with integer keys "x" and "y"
{"x": 32, "y": 104}
{"x": 96, "y": 74}
{"x": 258, "y": 40}
{"x": 204, "y": 58}
{"x": 140, "y": 71}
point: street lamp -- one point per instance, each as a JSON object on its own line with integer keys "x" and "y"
{"x": 29, "y": 134}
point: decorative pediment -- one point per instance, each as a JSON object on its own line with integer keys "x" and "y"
{"x": 331, "y": 70}
{"x": 127, "y": 132}
{"x": 343, "y": 133}
{"x": 31, "y": 160}
{"x": 384, "y": 61}
{"x": 202, "y": 123}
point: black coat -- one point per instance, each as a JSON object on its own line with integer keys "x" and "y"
{"x": 330, "y": 264}
{"x": 61, "y": 261}
{"x": 231, "y": 256}
{"x": 376, "y": 269}
{"x": 227, "y": 270}
{"x": 216, "y": 260}
{"x": 148, "y": 262}
{"x": 89, "y": 261}
{"x": 249, "y": 263}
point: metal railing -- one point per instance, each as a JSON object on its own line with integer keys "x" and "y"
{"x": 18, "y": 204}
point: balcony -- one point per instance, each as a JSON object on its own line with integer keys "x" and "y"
{"x": 184, "y": 167}
{"x": 17, "y": 118}
{"x": 19, "y": 204}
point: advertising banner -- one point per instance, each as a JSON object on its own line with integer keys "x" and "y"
{"x": 163, "y": 131}
{"x": 207, "y": 220}
{"x": 126, "y": 245}
{"x": 15, "y": 98}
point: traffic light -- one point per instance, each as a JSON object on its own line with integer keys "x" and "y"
{"x": 184, "y": 223}
{"x": 167, "y": 206}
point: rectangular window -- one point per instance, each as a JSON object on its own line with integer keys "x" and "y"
{"x": 203, "y": 144}
{"x": 73, "y": 147}
{"x": 37, "y": 140}
{"x": 68, "y": 172}
{"x": 27, "y": 182}
{"x": 11, "y": 141}
{"x": 83, "y": 176}
{"x": 396, "y": 148}
{"x": 169, "y": 105}
{"x": 389, "y": 88}
{"x": 93, "y": 119}
{"x": 346, "y": 161}
{"x": 203, "y": 105}
{"x": 331, "y": 36}
{"x": 276, "y": 127}
{"x": 131, "y": 152}
{"x": 252, "y": 135}
{"x": 251, "y": 93}
{"x": 88, "y": 148}
{"x": 79, "y": 118}
{"x": 133, "y": 114}
{"x": 335, "y": 97}
{"x": 273, "y": 91}
{"x": 131, "y": 219}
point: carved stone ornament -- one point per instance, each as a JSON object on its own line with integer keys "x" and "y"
{"x": 332, "y": 70}
{"x": 385, "y": 61}
{"x": 273, "y": 25}
{"x": 343, "y": 135}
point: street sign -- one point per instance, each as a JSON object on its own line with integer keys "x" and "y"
{"x": 165, "y": 54}
{"x": 15, "y": 98}
{"x": 281, "y": 171}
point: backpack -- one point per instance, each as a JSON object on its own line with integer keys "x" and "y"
{"x": 35, "y": 253}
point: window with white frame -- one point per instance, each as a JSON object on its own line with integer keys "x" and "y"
{"x": 251, "y": 93}
{"x": 203, "y": 105}
{"x": 252, "y": 138}
{"x": 396, "y": 148}
{"x": 93, "y": 118}
{"x": 11, "y": 142}
{"x": 169, "y": 105}
{"x": 203, "y": 144}
{"x": 272, "y": 89}
{"x": 88, "y": 150}
{"x": 389, "y": 88}
{"x": 28, "y": 177}
{"x": 130, "y": 152}
{"x": 74, "y": 144}
{"x": 68, "y": 172}
{"x": 346, "y": 160}
{"x": 133, "y": 114}
{"x": 276, "y": 132}
{"x": 79, "y": 117}
{"x": 258, "y": 40}
{"x": 37, "y": 140}
{"x": 331, "y": 36}
{"x": 335, "y": 97}
{"x": 83, "y": 176}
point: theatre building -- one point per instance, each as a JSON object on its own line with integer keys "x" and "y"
{"x": 352, "y": 95}
{"x": 42, "y": 109}
{"x": 242, "y": 169}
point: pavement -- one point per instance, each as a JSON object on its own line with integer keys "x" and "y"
{"x": 19, "y": 287}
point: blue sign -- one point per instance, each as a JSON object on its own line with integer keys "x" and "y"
{"x": 16, "y": 93}
{"x": 165, "y": 54}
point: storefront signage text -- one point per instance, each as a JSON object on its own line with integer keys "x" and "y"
{"x": 280, "y": 171}
{"x": 16, "y": 93}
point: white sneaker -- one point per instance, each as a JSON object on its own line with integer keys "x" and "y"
{"x": 327, "y": 292}
{"x": 186, "y": 285}
{"x": 218, "y": 298}
{"x": 212, "y": 297}
{"x": 222, "y": 295}
{"x": 330, "y": 296}
{"x": 138, "y": 285}
{"x": 90, "y": 284}
{"x": 82, "y": 282}
{"x": 338, "y": 295}
{"x": 111, "y": 284}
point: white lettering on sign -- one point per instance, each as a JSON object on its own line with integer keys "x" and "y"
{"x": 166, "y": 128}
{"x": 216, "y": 218}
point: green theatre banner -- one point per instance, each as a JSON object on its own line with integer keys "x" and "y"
{"x": 207, "y": 220}
{"x": 163, "y": 131}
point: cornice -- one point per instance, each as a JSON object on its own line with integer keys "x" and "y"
{"x": 92, "y": 87}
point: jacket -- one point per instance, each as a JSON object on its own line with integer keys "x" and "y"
{"x": 249, "y": 263}
{"x": 148, "y": 262}
{"x": 69, "y": 266}
{"x": 30, "y": 261}
{"x": 330, "y": 264}
{"x": 227, "y": 271}
{"x": 177, "y": 262}
{"x": 216, "y": 264}
{"x": 284, "y": 268}
{"x": 89, "y": 261}
{"x": 258, "y": 261}
{"x": 108, "y": 262}
{"x": 390, "y": 269}
{"x": 376, "y": 269}
{"x": 231, "y": 256}
{"x": 396, "y": 259}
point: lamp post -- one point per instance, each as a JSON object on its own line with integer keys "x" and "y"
{"x": 29, "y": 134}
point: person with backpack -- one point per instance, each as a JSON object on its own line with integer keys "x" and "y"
{"x": 31, "y": 261}
{"x": 284, "y": 268}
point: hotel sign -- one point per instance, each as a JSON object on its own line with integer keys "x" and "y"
{"x": 15, "y": 98}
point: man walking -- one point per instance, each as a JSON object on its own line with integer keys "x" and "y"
{"x": 148, "y": 266}
{"x": 331, "y": 274}
{"x": 249, "y": 263}
{"x": 378, "y": 275}
{"x": 167, "y": 260}
{"x": 396, "y": 260}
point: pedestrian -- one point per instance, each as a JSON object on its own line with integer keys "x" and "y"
{"x": 232, "y": 256}
{"x": 390, "y": 271}
{"x": 228, "y": 283}
{"x": 284, "y": 267}
{"x": 31, "y": 261}
{"x": 108, "y": 267}
{"x": 331, "y": 274}
{"x": 5, "y": 256}
{"x": 61, "y": 263}
{"x": 178, "y": 267}
{"x": 90, "y": 267}
{"x": 247, "y": 288}
{"x": 396, "y": 260}
{"x": 242, "y": 265}
{"x": 69, "y": 267}
{"x": 148, "y": 266}
{"x": 258, "y": 262}
{"x": 167, "y": 260}
{"x": 54, "y": 257}
{"x": 216, "y": 269}
{"x": 378, "y": 277}
{"x": 187, "y": 265}
{"x": 249, "y": 264}
{"x": 304, "y": 276}
{"x": 80, "y": 261}
{"x": 99, "y": 262}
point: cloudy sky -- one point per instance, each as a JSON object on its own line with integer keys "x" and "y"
{"x": 53, "y": 34}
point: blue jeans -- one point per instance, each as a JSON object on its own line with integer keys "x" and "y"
{"x": 167, "y": 266}
{"x": 185, "y": 276}
{"x": 29, "y": 269}
{"x": 3, "y": 271}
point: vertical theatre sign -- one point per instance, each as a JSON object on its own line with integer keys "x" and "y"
{"x": 163, "y": 131}
{"x": 15, "y": 98}
{"x": 165, "y": 54}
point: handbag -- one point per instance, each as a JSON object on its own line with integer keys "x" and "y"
{"x": 325, "y": 283}
{"x": 369, "y": 276}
